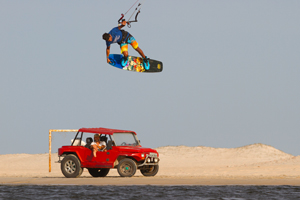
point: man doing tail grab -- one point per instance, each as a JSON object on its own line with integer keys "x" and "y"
{"x": 123, "y": 38}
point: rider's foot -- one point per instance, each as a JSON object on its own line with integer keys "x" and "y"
{"x": 124, "y": 61}
{"x": 146, "y": 63}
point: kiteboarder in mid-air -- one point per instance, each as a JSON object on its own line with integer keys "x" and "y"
{"x": 123, "y": 38}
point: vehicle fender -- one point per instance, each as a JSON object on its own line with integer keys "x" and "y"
{"x": 136, "y": 156}
{"x": 68, "y": 151}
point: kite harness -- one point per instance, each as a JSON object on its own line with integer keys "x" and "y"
{"x": 137, "y": 10}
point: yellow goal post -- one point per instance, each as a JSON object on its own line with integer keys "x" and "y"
{"x": 50, "y": 135}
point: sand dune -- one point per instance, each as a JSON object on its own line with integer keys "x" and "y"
{"x": 208, "y": 156}
{"x": 257, "y": 160}
{"x": 251, "y": 161}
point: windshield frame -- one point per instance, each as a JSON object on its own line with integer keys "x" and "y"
{"x": 121, "y": 143}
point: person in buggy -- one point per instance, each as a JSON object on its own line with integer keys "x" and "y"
{"x": 98, "y": 145}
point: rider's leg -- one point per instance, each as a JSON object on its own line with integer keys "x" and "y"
{"x": 135, "y": 45}
{"x": 95, "y": 149}
{"x": 140, "y": 51}
{"x": 125, "y": 54}
{"x": 124, "y": 51}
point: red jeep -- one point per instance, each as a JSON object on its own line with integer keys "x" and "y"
{"x": 123, "y": 151}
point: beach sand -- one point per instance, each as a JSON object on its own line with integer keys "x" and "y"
{"x": 256, "y": 164}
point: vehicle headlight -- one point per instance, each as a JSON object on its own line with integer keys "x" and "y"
{"x": 148, "y": 160}
{"x": 155, "y": 160}
{"x": 143, "y": 155}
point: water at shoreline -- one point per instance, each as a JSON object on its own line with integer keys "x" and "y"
{"x": 147, "y": 192}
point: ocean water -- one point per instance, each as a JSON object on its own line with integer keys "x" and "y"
{"x": 147, "y": 192}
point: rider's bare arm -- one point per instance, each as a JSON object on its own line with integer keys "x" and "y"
{"x": 107, "y": 54}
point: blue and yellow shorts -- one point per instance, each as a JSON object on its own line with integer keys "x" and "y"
{"x": 131, "y": 40}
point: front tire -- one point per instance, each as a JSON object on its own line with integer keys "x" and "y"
{"x": 98, "y": 172}
{"x": 150, "y": 170}
{"x": 71, "y": 167}
{"x": 127, "y": 167}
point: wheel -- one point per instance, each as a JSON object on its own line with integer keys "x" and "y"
{"x": 98, "y": 172}
{"x": 71, "y": 167}
{"x": 150, "y": 170}
{"x": 80, "y": 172}
{"x": 127, "y": 167}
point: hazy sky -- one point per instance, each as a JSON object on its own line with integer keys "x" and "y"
{"x": 231, "y": 73}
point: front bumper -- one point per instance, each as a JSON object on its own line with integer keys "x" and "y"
{"x": 151, "y": 159}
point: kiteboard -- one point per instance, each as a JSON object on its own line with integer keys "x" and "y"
{"x": 135, "y": 63}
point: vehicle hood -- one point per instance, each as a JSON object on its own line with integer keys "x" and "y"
{"x": 136, "y": 149}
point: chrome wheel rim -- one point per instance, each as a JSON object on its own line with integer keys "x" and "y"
{"x": 70, "y": 167}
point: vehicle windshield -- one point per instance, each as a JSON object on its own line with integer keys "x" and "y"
{"x": 125, "y": 139}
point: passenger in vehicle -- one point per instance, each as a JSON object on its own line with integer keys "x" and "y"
{"x": 89, "y": 141}
{"x": 97, "y": 145}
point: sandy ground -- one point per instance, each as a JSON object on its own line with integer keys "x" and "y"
{"x": 256, "y": 164}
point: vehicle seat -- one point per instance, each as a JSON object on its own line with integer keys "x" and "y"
{"x": 77, "y": 142}
{"x": 109, "y": 144}
{"x": 103, "y": 138}
{"x": 89, "y": 141}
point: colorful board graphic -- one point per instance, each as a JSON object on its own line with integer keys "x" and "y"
{"x": 135, "y": 63}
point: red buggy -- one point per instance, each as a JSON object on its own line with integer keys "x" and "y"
{"x": 123, "y": 152}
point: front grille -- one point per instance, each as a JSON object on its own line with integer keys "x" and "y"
{"x": 152, "y": 154}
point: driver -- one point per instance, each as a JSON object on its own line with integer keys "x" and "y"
{"x": 97, "y": 145}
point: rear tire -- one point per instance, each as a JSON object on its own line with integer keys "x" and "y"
{"x": 71, "y": 166}
{"x": 150, "y": 170}
{"x": 127, "y": 167}
{"x": 98, "y": 172}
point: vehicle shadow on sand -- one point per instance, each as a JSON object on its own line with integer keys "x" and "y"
{"x": 90, "y": 177}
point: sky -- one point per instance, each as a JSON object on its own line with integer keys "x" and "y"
{"x": 230, "y": 78}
